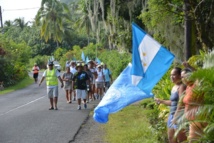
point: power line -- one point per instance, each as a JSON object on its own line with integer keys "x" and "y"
{"x": 20, "y": 9}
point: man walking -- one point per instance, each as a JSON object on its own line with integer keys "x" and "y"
{"x": 80, "y": 84}
{"x": 51, "y": 76}
{"x": 108, "y": 77}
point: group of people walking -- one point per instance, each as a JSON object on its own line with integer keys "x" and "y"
{"x": 82, "y": 82}
{"x": 182, "y": 102}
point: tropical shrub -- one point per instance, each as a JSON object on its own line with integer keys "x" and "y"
{"x": 14, "y": 62}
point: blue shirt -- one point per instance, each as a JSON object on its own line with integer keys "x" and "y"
{"x": 107, "y": 74}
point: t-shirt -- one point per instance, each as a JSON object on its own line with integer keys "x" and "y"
{"x": 80, "y": 79}
{"x": 68, "y": 76}
{"x": 107, "y": 74}
{"x": 57, "y": 75}
{"x": 73, "y": 70}
{"x": 99, "y": 76}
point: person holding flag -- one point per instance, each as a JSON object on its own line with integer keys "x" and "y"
{"x": 176, "y": 93}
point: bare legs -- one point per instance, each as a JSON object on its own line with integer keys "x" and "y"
{"x": 53, "y": 101}
{"x": 171, "y": 133}
{"x": 68, "y": 95}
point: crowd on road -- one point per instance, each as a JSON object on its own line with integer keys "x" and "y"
{"x": 82, "y": 82}
{"x": 85, "y": 82}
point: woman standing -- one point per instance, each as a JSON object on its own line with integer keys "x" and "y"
{"x": 176, "y": 92}
{"x": 190, "y": 105}
{"x": 99, "y": 82}
{"x": 67, "y": 78}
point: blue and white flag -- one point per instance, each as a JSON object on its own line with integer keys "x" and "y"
{"x": 98, "y": 61}
{"x": 120, "y": 94}
{"x": 150, "y": 60}
{"x": 87, "y": 60}
{"x": 83, "y": 56}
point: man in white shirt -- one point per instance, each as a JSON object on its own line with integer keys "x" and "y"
{"x": 52, "y": 75}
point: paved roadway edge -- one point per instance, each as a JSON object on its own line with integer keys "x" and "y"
{"x": 81, "y": 126}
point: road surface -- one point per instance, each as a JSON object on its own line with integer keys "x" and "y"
{"x": 25, "y": 118}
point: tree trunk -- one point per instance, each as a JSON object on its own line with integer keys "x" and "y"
{"x": 188, "y": 30}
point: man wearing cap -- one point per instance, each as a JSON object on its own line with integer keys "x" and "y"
{"x": 51, "y": 75}
{"x": 80, "y": 82}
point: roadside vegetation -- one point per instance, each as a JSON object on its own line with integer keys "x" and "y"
{"x": 133, "y": 124}
{"x": 22, "y": 84}
{"x": 102, "y": 29}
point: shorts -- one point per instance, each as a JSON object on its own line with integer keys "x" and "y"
{"x": 107, "y": 84}
{"x": 80, "y": 94}
{"x": 99, "y": 84}
{"x": 169, "y": 122}
{"x": 35, "y": 75}
{"x": 52, "y": 92}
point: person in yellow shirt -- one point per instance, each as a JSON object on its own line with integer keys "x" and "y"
{"x": 52, "y": 75}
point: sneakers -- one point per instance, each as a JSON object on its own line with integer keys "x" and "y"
{"x": 79, "y": 107}
{"x": 85, "y": 106}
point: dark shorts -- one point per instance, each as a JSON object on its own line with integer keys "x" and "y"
{"x": 35, "y": 75}
{"x": 107, "y": 84}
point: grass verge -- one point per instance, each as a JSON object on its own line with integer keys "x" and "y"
{"x": 130, "y": 125}
{"x": 24, "y": 83}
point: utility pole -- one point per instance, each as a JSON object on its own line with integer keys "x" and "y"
{"x": 1, "y": 18}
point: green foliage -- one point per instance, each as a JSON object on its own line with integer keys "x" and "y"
{"x": 115, "y": 61}
{"x": 13, "y": 63}
{"x": 40, "y": 60}
{"x": 163, "y": 88}
{"x": 164, "y": 21}
{"x": 50, "y": 17}
{"x": 59, "y": 53}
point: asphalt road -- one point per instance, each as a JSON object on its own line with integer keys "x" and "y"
{"x": 25, "y": 118}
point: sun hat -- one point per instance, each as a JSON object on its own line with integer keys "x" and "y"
{"x": 80, "y": 64}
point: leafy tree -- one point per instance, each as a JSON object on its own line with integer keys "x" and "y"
{"x": 50, "y": 16}
{"x": 19, "y": 22}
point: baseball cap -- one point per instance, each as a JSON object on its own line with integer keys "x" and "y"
{"x": 50, "y": 63}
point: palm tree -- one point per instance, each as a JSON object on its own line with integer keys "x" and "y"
{"x": 20, "y": 22}
{"x": 84, "y": 21}
{"x": 8, "y": 23}
{"x": 50, "y": 17}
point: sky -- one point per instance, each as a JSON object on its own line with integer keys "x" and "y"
{"x": 12, "y": 9}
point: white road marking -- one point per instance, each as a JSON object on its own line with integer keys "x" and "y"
{"x": 21, "y": 106}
